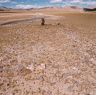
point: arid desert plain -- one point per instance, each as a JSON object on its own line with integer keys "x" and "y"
{"x": 58, "y": 58}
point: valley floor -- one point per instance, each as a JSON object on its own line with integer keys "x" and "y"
{"x": 58, "y": 58}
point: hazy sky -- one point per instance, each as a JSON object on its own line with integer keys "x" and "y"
{"x": 45, "y": 3}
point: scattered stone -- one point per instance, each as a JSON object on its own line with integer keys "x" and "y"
{"x": 42, "y": 21}
{"x": 58, "y": 24}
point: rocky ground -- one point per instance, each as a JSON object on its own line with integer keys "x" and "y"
{"x": 56, "y": 59}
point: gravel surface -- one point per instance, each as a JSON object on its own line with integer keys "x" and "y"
{"x": 55, "y": 59}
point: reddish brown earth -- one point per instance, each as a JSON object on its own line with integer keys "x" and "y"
{"x": 58, "y": 58}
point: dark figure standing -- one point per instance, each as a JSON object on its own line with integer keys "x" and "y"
{"x": 43, "y": 21}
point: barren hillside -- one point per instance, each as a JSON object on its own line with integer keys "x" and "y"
{"x": 58, "y": 58}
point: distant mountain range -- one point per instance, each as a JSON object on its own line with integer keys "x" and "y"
{"x": 2, "y": 8}
{"x": 89, "y": 9}
{"x": 67, "y": 8}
